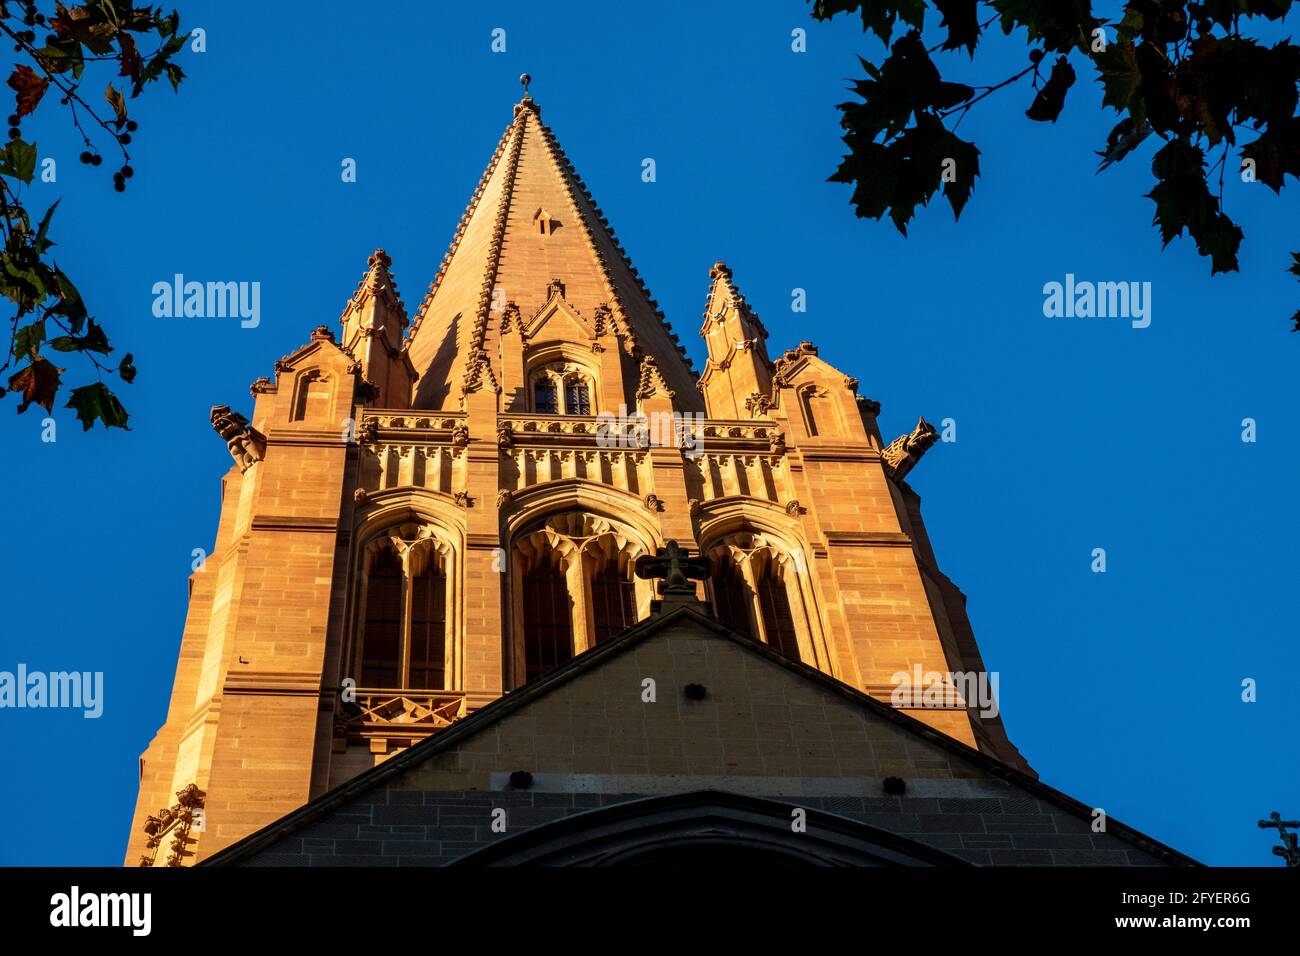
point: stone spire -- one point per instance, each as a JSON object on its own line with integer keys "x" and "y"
{"x": 737, "y": 381}
{"x": 374, "y": 322}
{"x": 530, "y": 221}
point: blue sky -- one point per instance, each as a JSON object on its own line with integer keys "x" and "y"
{"x": 1123, "y": 689}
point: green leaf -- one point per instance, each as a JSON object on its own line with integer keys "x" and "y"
{"x": 95, "y": 402}
{"x": 18, "y": 159}
{"x": 175, "y": 74}
{"x": 28, "y": 339}
{"x": 70, "y": 305}
{"x": 1118, "y": 71}
{"x": 61, "y": 54}
{"x": 40, "y": 243}
{"x": 127, "y": 368}
{"x": 93, "y": 341}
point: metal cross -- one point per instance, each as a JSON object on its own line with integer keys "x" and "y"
{"x": 1288, "y": 850}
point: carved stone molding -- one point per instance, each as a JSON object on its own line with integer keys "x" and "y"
{"x": 176, "y": 821}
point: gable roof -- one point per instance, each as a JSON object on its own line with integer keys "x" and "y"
{"x": 691, "y": 612}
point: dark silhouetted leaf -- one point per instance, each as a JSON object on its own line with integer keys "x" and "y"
{"x": 961, "y": 17}
{"x": 878, "y": 16}
{"x": 1183, "y": 202}
{"x": 1118, "y": 71}
{"x": 1061, "y": 25}
{"x": 1050, "y": 99}
{"x": 1122, "y": 140}
{"x": 1276, "y": 153}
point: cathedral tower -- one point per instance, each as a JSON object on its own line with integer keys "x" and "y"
{"x": 426, "y": 512}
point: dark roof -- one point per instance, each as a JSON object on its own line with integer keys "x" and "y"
{"x": 696, "y": 613}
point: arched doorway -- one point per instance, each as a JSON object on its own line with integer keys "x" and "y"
{"x": 707, "y": 828}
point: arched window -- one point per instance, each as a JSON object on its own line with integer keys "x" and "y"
{"x": 613, "y": 603}
{"x": 381, "y": 640}
{"x": 313, "y": 396}
{"x": 546, "y": 399}
{"x": 562, "y": 388}
{"x": 402, "y": 638}
{"x": 732, "y": 601}
{"x": 577, "y": 397}
{"x": 774, "y": 607}
{"x": 548, "y": 619}
{"x": 428, "y": 662}
{"x": 571, "y": 588}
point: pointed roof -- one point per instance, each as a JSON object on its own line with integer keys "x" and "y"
{"x": 725, "y": 299}
{"x": 674, "y": 621}
{"x": 531, "y": 220}
{"x": 378, "y": 281}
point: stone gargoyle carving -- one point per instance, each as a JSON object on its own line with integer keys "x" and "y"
{"x": 906, "y": 450}
{"x": 247, "y": 445}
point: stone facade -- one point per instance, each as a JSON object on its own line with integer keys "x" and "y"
{"x": 406, "y": 487}
{"x": 604, "y": 750}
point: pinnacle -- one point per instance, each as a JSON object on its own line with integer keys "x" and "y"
{"x": 378, "y": 277}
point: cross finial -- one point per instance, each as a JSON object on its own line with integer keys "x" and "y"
{"x": 1289, "y": 851}
{"x": 674, "y": 566}
{"x": 525, "y": 79}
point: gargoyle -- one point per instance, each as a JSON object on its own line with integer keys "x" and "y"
{"x": 247, "y": 445}
{"x": 906, "y": 450}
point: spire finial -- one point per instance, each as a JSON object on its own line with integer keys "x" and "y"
{"x": 524, "y": 80}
